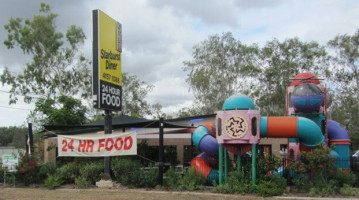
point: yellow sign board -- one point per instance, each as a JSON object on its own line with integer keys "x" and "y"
{"x": 107, "y": 69}
{"x": 109, "y": 56}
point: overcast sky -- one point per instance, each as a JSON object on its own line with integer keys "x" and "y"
{"x": 158, "y": 35}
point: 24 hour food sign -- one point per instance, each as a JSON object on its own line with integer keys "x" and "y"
{"x": 107, "y": 71}
{"x": 97, "y": 146}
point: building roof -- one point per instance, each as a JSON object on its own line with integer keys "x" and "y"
{"x": 123, "y": 121}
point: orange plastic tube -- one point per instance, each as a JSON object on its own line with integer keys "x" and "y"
{"x": 201, "y": 166}
{"x": 282, "y": 127}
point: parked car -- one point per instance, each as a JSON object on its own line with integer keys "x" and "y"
{"x": 354, "y": 161}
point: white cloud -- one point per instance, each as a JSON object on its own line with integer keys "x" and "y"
{"x": 12, "y": 115}
{"x": 170, "y": 92}
{"x": 159, "y": 35}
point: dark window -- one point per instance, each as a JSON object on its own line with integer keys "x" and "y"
{"x": 323, "y": 126}
{"x": 283, "y": 148}
{"x": 219, "y": 126}
{"x": 189, "y": 152}
{"x": 265, "y": 149}
{"x": 291, "y": 154}
{"x": 254, "y": 126}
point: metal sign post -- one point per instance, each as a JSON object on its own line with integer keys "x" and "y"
{"x": 107, "y": 70}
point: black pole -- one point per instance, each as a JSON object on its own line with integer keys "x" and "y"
{"x": 108, "y": 130}
{"x": 26, "y": 144}
{"x": 160, "y": 154}
{"x": 31, "y": 138}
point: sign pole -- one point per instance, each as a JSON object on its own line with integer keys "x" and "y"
{"x": 31, "y": 138}
{"x": 160, "y": 152}
{"x": 107, "y": 70}
{"x": 108, "y": 130}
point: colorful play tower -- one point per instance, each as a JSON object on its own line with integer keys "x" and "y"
{"x": 239, "y": 127}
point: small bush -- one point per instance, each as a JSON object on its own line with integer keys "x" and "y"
{"x": 276, "y": 185}
{"x": 191, "y": 180}
{"x": 53, "y": 181}
{"x": 92, "y": 171}
{"x": 347, "y": 190}
{"x": 171, "y": 178}
{"x": 302, "y": 182}
{"x": 343, "y": 177}
{"x": 267, "y": 188}
{"x": 126, "y": 171}
{"x": 2, "y": 170}
{"x": 8, "y": 178}
{"x": 267, "y": 164}
{"x": 236, "y": 184}
{"x": 68, "y": 172}
{"x": 324, "y": 191}
{"x": 130, "y": 173}
{"x": 46, "y": 170}
{"x": 82, "y": 182}
{"x": 149, "y": 178}
{"x": 26, "y": 170}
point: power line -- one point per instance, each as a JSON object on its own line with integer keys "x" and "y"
{"x": 4, "y": 91}
{"x": 14, "y": 108}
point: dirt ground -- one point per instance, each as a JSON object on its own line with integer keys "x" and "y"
{"x": 123, "y": 193}
{"x": 7, "y": 193}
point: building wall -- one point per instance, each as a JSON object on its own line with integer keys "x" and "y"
{"x": 178, "y": 140}
{"x": 275, "y": 143}
{"x": 50, "y": 145}
{"x": 179, "y": 143}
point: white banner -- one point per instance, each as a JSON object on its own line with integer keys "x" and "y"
{"x": 93, "y": 145}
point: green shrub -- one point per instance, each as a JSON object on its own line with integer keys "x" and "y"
{"x": 343, "y": 177}
{"x": 322, "y": 192}
{"x": 267, "y": 188}
{"x": 2, "y": 170}
{"x": 8, "y": 178}
{"x": 126, "y": 171}
{"x": 129, "y": 172}
{"x": 53, "y": 181}
{"x": 149, "y": 178}
{"x": 82, "y": 182}
{"x": 347, "y": 190}
{"x": 275, "y": 185}
{"x": 46, "y": 170}
{"x": 236, "y": 184}
{"x": 302, "y": 182}
{"x": 92, "y": 171}
{"x": 26, "y": 170}
{"x": 191, "y": 180}
{"x": 317, "y": 170}
{"x": 325, "y": 190}
{"x": 267, "y": 164}
{"x": 171, "y": 178}
{"x": 68, "y": 172}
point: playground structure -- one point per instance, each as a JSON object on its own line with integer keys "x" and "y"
{"x": 239, "y": 127}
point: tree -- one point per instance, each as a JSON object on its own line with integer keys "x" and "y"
{"x": 221, "y": 67}
{"x": 63, "y": 111}
{"x": 188, "y": 112}
{"x": 13, "y": 136}
{"x": 19, "y": 138}
{"x": 135, "y": 92}
{"x": 345, "y": 70}
{"x": 281, "y": 61}
{"x": 56, "y": 68}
